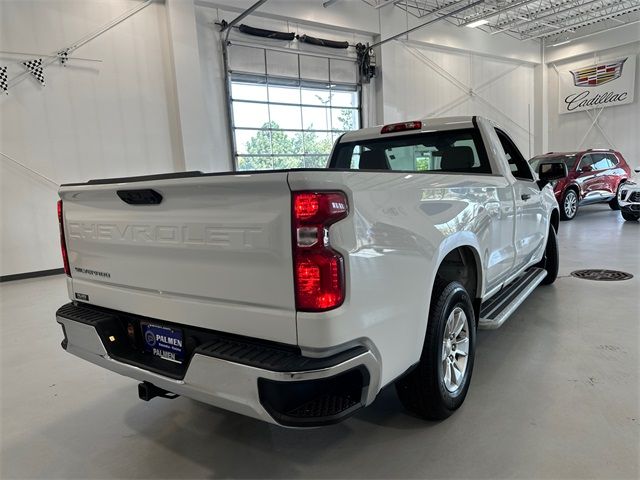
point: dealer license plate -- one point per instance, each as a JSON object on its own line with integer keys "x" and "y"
{"x": 163, "y": 342}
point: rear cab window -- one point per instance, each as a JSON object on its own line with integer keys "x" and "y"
{"x": 451, "y": 151}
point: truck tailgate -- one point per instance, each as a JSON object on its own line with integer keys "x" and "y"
{"x": 214, "y": 253}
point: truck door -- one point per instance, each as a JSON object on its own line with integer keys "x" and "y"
{"x": 530, "y": 231}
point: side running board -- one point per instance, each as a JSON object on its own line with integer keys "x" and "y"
{"x": 495, "y": 311}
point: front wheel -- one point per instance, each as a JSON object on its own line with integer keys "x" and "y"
{"x": 613, "y": 203}
{"x": 551, "y": 260}
{"x": 439, "y": 383}
{"x": 569, "y": 206}
{"x": 630, "y": 216}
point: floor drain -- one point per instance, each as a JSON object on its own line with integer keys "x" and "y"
{"x": 602, "y": 275}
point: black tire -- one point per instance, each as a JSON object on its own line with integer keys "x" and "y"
{"x": 565, "y": 212}
{"x": 613, "y": 204}
{"x": 423, "y": 391}
{"x": 551, "y": 260}
{"x": 630, "y": 216}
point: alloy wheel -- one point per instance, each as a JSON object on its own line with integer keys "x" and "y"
{"x": 455, "y": 349}
{"x": 570, "y": 204}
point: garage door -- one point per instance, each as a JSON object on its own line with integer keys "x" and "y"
{"x": 288, "y": 107}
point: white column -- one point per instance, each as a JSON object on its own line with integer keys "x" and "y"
{"x": 541, "y": 109}
{"x": 195, "y": 127}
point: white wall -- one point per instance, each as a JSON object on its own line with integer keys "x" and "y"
{"x": 113, "y": 118}
{"x": 156, "y": 101}
{"x": 444, "y": 70}
{"x": 423, "y": 81}
{"x": 620, "y": 124}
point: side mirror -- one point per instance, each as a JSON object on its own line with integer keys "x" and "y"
{"x": 637, "y": 169}
{"x": 586, "y": 169}
{"x": 549, "y": 171}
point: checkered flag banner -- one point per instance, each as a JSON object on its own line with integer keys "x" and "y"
{"x": 63, "y": 56}
{"x": 4, "y": 84}
{"x": 35, "y": 68}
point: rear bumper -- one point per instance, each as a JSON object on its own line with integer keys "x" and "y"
{"x": 284, "y": 388}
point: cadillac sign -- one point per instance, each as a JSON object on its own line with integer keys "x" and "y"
{"x": 605, "y": 84}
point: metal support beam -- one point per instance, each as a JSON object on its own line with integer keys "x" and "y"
{"x": 582, "y": 23}
{"x": 527, "y": 19}
{"x": 240, "y": 17}
{"x": 385, "y": 3}
{"x": 520, "y": 22}
{"x": 493, "y": 13}
{"x": 433, "y": 20}
{"x": 598, "y": 32}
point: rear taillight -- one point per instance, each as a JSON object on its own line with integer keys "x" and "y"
{"x": 63, "y": 243}
{"x": 318, "y": 269}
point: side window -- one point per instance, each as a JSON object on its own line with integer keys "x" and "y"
{"x": 585, "y": 161}
{"x": 601, "y": 162}
{"x": 518, "y": 165}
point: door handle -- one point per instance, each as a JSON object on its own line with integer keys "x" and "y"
{"x": 525, "y": 196}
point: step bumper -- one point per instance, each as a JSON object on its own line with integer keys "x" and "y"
{"x": 311, "y": 392}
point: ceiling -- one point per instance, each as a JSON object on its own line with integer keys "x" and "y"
{"x": 555, "y": 21}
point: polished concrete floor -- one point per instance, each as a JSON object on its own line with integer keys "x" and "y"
{"x": 555, "y": 394}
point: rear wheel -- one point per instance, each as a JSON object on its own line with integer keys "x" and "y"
{"x": 569, "y": 206}
{"x": 551, "y": 260}
{"x": 630, "y": 216}
{"x": 439, "y": 384}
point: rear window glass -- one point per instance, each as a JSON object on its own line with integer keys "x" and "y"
{"x": 568, "y": 159}
{"x": 445, "y": 151}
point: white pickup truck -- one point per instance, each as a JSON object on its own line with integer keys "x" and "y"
{"x": 295, "y": 296}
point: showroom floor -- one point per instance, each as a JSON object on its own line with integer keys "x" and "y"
{"x": 555, "y": 394}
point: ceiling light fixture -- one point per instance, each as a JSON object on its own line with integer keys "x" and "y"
{"x": 564, "y": 42}
{"x": 477, "y": 23}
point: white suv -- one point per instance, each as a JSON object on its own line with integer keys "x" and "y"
{"x": 629, "y": 198}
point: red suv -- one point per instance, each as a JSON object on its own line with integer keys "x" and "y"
{"x": 594, "y": 176}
